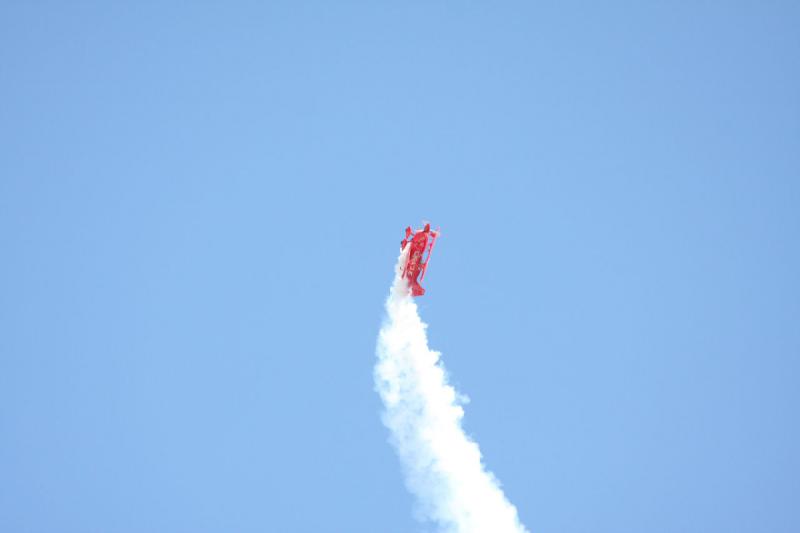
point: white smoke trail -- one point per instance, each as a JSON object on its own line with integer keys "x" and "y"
{"x": 423, "y": 412}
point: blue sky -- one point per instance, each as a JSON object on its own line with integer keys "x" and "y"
{"x": 201, "y": 205}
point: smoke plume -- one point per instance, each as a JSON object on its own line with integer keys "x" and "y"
{"x": 443, "y": 466}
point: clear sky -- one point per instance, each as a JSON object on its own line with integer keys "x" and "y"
{"x": 201, "y": 205}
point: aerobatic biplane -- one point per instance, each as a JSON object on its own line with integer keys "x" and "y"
{"x": 421, "y": 245}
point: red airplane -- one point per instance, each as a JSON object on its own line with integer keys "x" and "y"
{"x": 420, "y": 241}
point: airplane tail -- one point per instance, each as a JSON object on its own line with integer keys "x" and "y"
{"x": 416, "y": 289}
